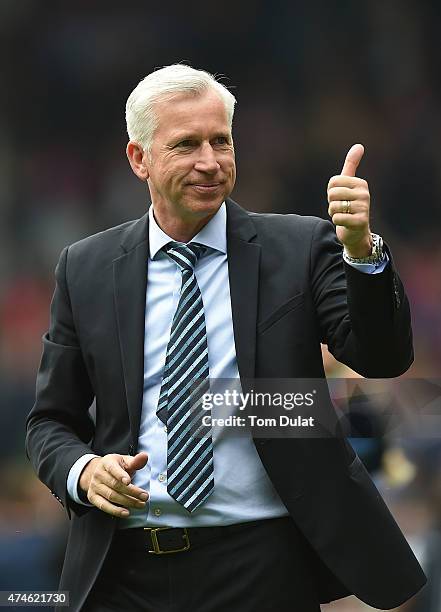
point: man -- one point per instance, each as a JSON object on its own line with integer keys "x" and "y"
{"x": 144, "y": 313}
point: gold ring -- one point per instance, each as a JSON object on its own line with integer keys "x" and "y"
{"x": 348, "y": 207}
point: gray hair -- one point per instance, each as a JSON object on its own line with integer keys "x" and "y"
{"x": 161, "y": 84}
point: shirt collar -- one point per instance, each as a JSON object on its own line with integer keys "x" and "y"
{"x": 213, "y": 234}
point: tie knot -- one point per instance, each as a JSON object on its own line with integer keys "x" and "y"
{"x": 185, "y": 255}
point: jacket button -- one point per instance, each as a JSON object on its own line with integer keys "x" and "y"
{"x": 131, "y": 449}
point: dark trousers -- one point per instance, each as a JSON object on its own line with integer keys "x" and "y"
{"x": 258, "y": 568}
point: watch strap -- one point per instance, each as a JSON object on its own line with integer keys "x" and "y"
{"x": 375, "y": 258}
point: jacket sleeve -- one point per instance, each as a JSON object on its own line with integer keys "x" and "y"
{"x": 59, "y": 425}
{"x": 364, "y": 318}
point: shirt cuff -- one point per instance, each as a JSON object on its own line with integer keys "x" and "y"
{"x": 368, "y": 268}
{"x": 74, "y": 477}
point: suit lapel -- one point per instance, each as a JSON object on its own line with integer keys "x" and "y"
{"x": 130, "y": 283}
{"x": 243, "y": 270}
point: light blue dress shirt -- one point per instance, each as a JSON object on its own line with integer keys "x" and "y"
{"x": 243, "y": 491}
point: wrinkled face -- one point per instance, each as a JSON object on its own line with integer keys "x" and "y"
{"x": 192, "y": 167}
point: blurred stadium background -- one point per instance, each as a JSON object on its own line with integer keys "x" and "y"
{"x": 311, "y": 79}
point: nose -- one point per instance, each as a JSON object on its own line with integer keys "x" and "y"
{"x": 206, "y": 160}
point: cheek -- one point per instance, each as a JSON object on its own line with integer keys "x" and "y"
{"x": 227, "y": 163}
{"x": 171, "y": 178}
{"x": 177, "y": 172}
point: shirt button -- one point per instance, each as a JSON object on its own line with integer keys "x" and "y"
{"x": 158, "y": 512}
{"x": 162, "y": 477}
{"x": 165, "y": 428}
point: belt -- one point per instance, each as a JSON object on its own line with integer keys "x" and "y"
{"x": 166, "y": 540}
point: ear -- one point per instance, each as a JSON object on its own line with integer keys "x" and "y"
{"x": 137, "y": 159}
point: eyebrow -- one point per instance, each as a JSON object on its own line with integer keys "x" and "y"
{"x": 194, "y": 136}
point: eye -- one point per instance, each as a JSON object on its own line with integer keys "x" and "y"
{"x": 221, "y": 140}
{"x": 185, "y": 144}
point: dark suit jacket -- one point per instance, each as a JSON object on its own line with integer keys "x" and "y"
{"x": 290, "y": 289}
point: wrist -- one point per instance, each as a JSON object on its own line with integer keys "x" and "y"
{"x": 86, "y": 475}
{"x": 375, "y": 257}
{"x": 361, "y": 249}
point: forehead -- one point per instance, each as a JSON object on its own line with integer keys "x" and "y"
{"x": 191, "y": 113}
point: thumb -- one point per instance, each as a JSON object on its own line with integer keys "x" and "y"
{"x": 353, "y": 158}
{"x": 131, "y": 464}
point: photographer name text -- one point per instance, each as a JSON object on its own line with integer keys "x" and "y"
{"x": 253, "y": 420}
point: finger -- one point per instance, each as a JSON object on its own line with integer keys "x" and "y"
{"x": 357, "y": 221}
{"x": 113, "y": 483}
{"x": 112, "y": 465}
{"x": 131, "y": 464}
{"x": 103, "y": 504}
{"x": 340, "y": 207}
{"x": 353, "y": 158}
{"x": 356, "y": 206}
{"x": 114, "y": 497}
{"x": 343, "y": 193}
{"x": 340, "y": 180}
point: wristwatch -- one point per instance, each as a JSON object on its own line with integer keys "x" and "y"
{"x": 375, "y": 258}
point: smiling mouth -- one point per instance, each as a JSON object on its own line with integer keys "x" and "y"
{"x": 205, "y": 185}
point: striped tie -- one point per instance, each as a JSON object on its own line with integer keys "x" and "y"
{"x": 190, "y": 447}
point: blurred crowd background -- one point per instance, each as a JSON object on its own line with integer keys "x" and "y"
{"x": 311, "y": 79}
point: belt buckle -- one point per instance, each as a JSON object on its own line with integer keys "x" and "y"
{"x": 156, "y": 546}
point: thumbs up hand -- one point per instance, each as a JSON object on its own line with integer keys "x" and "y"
{"x": 349, "y": 201}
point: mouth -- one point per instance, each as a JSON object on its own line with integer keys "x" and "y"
{"x": 205, "y": 187}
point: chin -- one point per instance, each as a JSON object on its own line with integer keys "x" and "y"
{"x": 204, "y": 207}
